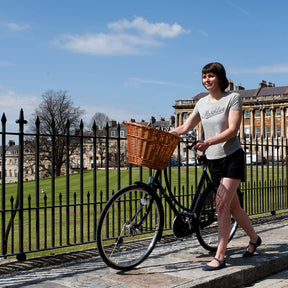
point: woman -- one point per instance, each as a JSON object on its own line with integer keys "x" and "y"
{"x": 220, "y": 113}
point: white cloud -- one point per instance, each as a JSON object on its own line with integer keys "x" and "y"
{"x": 240, "y": 9}
{"x": 163, "y": 30}
{"x": 17, "y": 27}
{"x": 275, "y": 68}
{"x": 105, "y": 44}
{"x": 118, "y": 41}
{"x": 136, "y": 82}
{"x": 204, "y": 33}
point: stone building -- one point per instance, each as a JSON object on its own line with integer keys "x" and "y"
{"x": 265, "y": 113}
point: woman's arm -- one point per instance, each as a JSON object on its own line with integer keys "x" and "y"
{"x": 189, "y": 124}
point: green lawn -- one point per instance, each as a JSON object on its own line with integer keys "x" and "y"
{"x": 101, "y": 186}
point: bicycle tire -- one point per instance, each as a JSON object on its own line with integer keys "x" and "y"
{"x": 123, "y": 241}
{"x": 207, "y": 225}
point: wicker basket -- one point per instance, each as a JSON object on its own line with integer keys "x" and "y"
{"x": 149, "y": 147}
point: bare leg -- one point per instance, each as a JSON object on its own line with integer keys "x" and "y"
{"x": 227, "y": 204}
{"x": 244, "y": 221}
{"x": 225, "y": 195}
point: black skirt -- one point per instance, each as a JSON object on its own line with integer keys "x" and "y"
{"x": 231, "y": 166}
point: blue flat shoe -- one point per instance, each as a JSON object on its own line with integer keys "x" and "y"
{"x": 250, "y": 254}
{"x": 222, "y": 265}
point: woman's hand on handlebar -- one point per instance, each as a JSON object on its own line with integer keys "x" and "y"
{"x": 202, "y": 145}
{"x": 174, "y": 133}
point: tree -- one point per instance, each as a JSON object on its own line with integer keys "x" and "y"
{"x": 100, "y": 120}
{"x": 54, "y": 113}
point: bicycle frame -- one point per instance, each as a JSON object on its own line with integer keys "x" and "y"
{"x": 154, "y": 185}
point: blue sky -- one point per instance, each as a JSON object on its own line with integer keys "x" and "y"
{"x": 134, "y": 59}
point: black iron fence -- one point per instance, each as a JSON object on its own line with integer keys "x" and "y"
{"x": 51, "y": 211}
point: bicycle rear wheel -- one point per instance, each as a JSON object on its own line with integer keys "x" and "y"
{"x": 207, "y": 228}
{"x": 129, "y": 226}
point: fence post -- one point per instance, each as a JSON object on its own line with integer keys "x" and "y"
{"x": 3, "y": 176}
{"x": 21, "y": 256}
{"x": 37, "y": 171}
{"x": 94, "y": 179}
{"x": 118, "y": 157}
{"x": 81, "y": 183}
{"x": 107, "y": 161}
{"x": 53, "y": 152}
{"x": 67, "y": 161}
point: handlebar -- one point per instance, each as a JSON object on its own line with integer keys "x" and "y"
{"x": 192, "y": 136}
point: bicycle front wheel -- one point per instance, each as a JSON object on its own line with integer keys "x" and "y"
{"x": 207, "y": 226}
{"x": 129, "y": 227}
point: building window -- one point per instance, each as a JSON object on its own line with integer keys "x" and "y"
{"x": 268, "y": 134}
{"x": 122, "y": 134}
{"x": 257, "y": 113}
{"x": 257, "y": 132}
{"x": 184, "y": 152}
{"x": 277, "y": 112}
{"x": 185, "y": 116}
{"x": 267, "y": 113}
{"x": 247, "y": 132}
{"x": 246, "y": 114}
{"x": 278, "y": 131}
{"x": 113, "y": 133}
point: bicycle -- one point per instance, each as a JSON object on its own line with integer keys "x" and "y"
{"x": 132, "y": 221}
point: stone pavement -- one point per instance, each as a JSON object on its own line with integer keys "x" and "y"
{"x": 176, "y": 264}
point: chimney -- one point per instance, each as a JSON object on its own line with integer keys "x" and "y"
{"x": 270, "y": 84}
{"x": 172, "y": 120}
{"x": 239, "y": 87}
{"x": 263, "y": 84}
{"x": 162, "y": 119}
{"x": 230, "y": 85}
{"x": 152, "y": 120}
{"x": 132, "y": 120}
{"x": 113, "y": 123}
{"x": 11, "y": 143}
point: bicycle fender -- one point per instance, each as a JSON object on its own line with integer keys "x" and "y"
{"x": 143, "y": 185}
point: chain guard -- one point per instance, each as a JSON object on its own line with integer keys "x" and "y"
{"x": 182, "y": 225}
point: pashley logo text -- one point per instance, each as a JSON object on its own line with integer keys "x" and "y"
{"x": 216, "y": 111}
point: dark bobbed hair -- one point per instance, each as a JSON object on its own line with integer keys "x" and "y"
{"x": 217, "y": 69}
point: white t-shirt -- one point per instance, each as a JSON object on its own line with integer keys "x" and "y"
{"x": 214, "y": 118}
